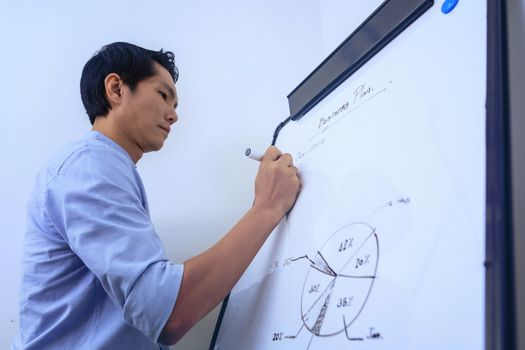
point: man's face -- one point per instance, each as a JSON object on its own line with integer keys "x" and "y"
{"x": 149, "y": 111}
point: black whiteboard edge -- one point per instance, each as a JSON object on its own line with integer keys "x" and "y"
{"x": 412, "y": 14}
{"x": 500, "y": 317}
{"x": 219, "y": 322}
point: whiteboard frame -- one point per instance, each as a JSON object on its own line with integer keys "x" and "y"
{"x": 500, "y": 317}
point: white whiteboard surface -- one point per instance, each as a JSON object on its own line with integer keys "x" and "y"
{"x": 384, "y": 248}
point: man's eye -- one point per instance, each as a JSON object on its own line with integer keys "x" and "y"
{"x": 163, "y": 95}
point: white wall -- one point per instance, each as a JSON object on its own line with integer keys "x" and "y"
{"x": 238, "y": 60}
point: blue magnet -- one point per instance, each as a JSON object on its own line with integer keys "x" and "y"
{"x": 448, "y": 6}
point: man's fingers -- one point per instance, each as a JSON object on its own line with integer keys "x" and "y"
{"x": 296, "y": 174}
{"x": 272, "y": 153}
{"x": 278, "y": 183}
{"x": 286, "y": 159}
{"x": 283, "y": 159}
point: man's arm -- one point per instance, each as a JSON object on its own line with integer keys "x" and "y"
{"x": 210, "y": 276}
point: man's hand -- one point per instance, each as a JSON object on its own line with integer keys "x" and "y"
{"x": 277, "y": 183}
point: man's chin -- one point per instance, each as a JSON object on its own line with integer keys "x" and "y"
{"x": 155, "y": 147}
{"x": 158, "y": 147}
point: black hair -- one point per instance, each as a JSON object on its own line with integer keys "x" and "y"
{"x": 131, "y": 62}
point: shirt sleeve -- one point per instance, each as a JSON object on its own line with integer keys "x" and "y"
{"x": 96, "y": 204}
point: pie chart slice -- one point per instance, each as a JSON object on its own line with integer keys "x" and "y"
{"x": 364, "y": 262}
{"x": 319, "y": 286}
{"x": 348, "y": 299}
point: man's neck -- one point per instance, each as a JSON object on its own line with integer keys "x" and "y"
{"x": 105, "y": 126}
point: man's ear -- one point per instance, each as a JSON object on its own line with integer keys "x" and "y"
{"x": 114, "y": 88}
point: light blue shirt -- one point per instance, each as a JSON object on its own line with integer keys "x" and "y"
{"x": 95, "y": 275}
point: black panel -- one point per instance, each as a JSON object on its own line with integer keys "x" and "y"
{"x": 390, "y": 19}
{"x": 499, "y": 277}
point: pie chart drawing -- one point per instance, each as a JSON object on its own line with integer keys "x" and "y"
{"x": 339, "y": 280}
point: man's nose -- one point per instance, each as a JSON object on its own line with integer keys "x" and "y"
{"x": 172, "y": 117}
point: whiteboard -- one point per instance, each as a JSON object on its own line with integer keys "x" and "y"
{"x": 385, "y": 245}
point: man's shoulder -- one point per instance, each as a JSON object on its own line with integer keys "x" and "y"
{"x": 84, "y": 154}
{"x": 92, "y": 167}
{"x": 92, "y": 162}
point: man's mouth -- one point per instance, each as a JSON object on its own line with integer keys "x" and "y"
{"x": 167, "y": 129}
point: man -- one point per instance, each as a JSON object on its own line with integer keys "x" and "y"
{"x": 95, "y": 274}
